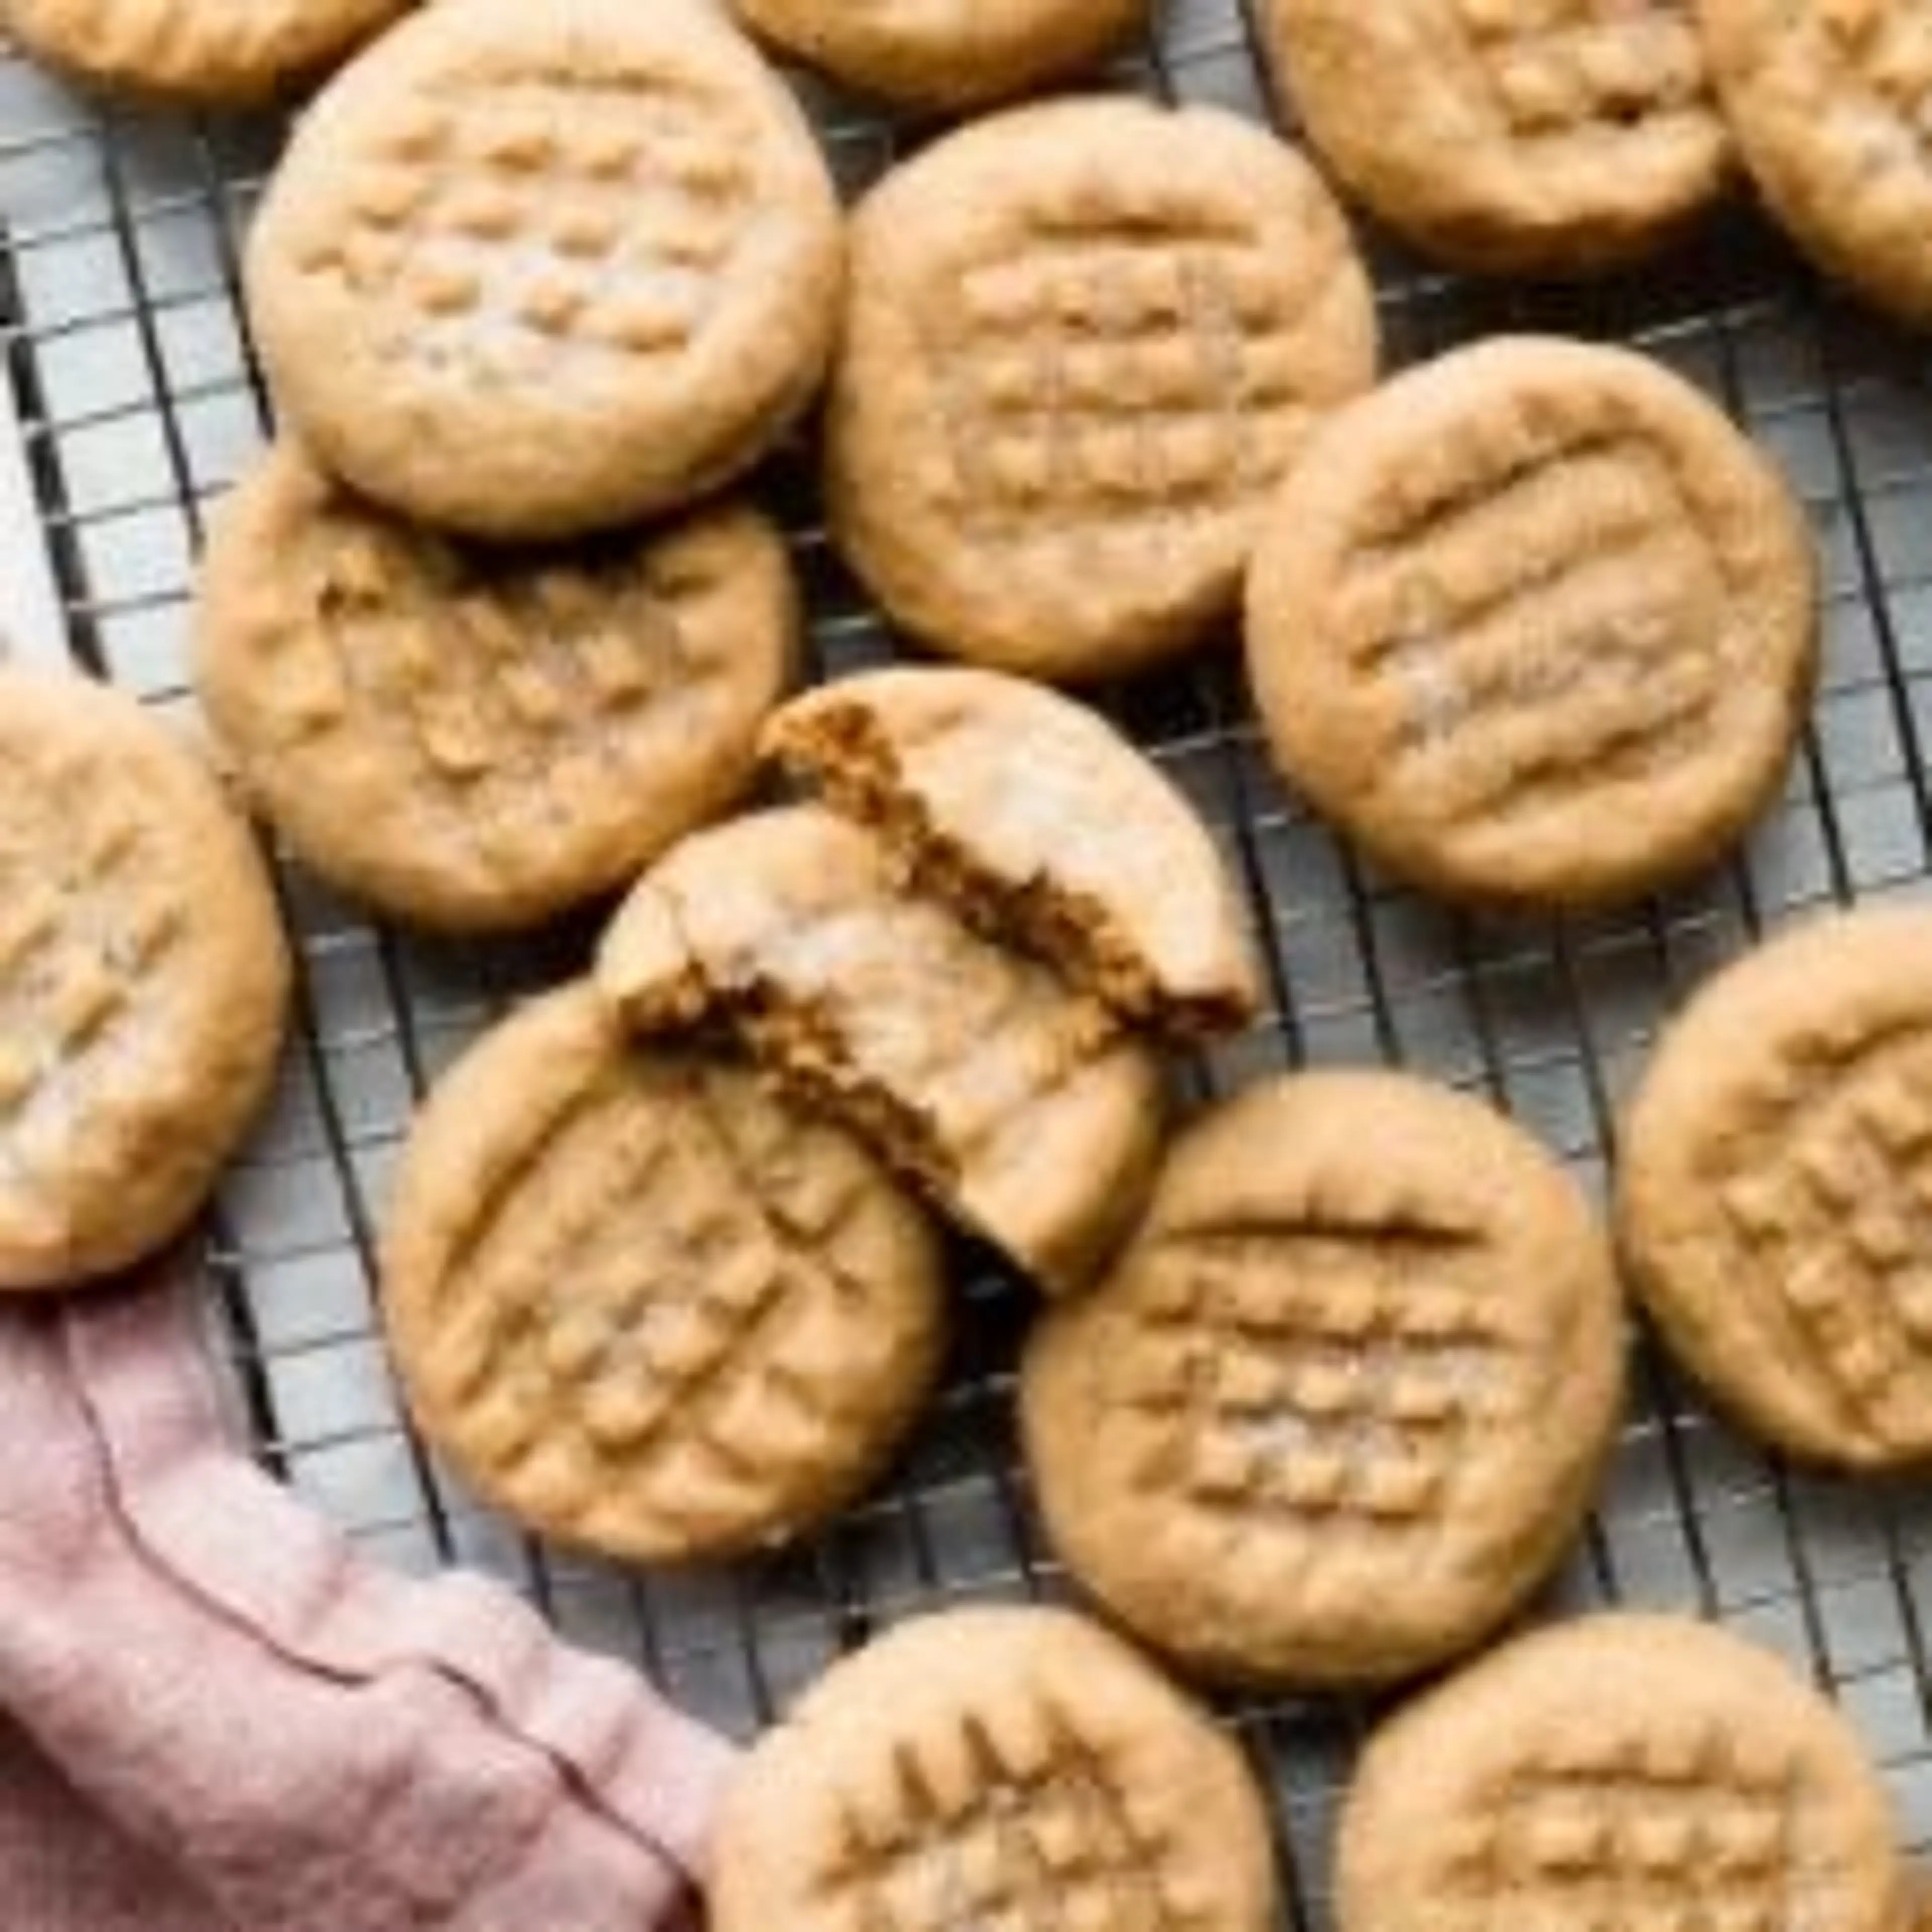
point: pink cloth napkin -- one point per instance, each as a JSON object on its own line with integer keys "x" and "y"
{"x": 215, "y": 1716}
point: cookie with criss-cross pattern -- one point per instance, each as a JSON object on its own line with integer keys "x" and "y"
{"x": 478, "y": 739}
{"x": 1645, "y": 1773}
{"x": 938, "y": 53}
{"x": 1536, "y": 625}
{"x": 1832, "y": 106}
{"x": 1086, "y": 341}
{"x": 1300, "y": 1435}
{"x": 222, "y": 53}
{"x": 994, "y": 1768}
{"x": 1774, "y": 1189}
{"x": 1518, "y": 136}
{"x": 526, "y": 271}
{"x": 143, "y": 982}
{"x": 1018, "y": 1102}
{"x": 646, "y": 1305}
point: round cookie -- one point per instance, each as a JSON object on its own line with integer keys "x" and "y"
{"x": 143, "y": 982}
{"x": 994, "y": 1767}
{"x": 1535, "y": 624}
{"x": 1512, "y": 136}
{"x": 1035, "y": 818}
{"x": 1301, "y": 1434}
{"x": 1010, "y": 1098}
{"x": 1086, "y": 340}
{"x": 1643, "y": 1772}
{"x": 936, "y": 53}
{"x": 526, "y": 271}
{"x": 476, "y": 740}
{"x": 645, "y": 1305}
{"x": 1774, "y": 1188}
{"x": 1830, "y": 104}
{"x": 218, "y": 53}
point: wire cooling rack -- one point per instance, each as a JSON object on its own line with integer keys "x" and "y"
{"x": 126, "y": 363}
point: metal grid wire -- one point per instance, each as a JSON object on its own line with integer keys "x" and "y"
{"x": 125, "y": 360}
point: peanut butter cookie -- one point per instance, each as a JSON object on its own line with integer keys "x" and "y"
{"x": 143, "y": 982}
{"x": 1535, "y": 624}
{"x": 938, "y": 53}
{"x": 1086, "y": 341}
{"x": 1301, "y": 1434}
{"x": 1776, "y": 1175}
{"x": 1015, "y": 1101}
{"x": 1640, "y": 1772}
{"x": 477, "y": 740}
{"x": 530, "y": 271}
{"x": 1831, "y": 103}
{"x": 994, "y": 1768}
{"x": 217, "y": 53}
{"x": 1517, "y": 137}
{"x": 644, "y": 1304}
{"x": 1031, "y": 814}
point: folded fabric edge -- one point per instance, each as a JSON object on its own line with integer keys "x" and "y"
{"x": 204, "y": 1514}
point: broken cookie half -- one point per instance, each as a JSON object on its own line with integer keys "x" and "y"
{"x": 1040, "y": 825}
{"x": 1020, "y": 1103}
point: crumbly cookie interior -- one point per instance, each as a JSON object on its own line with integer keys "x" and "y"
{"x": 841, "y": 751}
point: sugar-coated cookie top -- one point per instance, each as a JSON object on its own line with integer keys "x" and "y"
{"x": 1775, "y": 1165}
{"x": 1643, "y": 1772}
{"x": 994, "y": 1765}
{"x": 529, "y": 270}
{"x": 1536, "y": 624}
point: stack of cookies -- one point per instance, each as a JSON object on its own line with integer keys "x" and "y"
{"x": 660, "y": 1275}
{"x": 1326, "y": 1380}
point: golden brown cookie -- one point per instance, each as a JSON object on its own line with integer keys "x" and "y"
{"x": 940, "y": 53}
{"x": 1085, "y": 342}
{"x": 1518, "y": 136}
{"x": 1831, "y": 102}
{"x": 221, "y": 53}
{"x": 1776, "y": 1188}
{"x": 1013, "y": 1100}
{"x": 477, "y": 740}
{"x": 1535, "y": 624}
{"x": 994, "y": 1769}
{"x": 645, "y": 1305}
{"x": 1033, "y": 817}
{"x": 1301, "y": 1434}
{"x": 530, "y": 271}
{"x": 143, "y": 982}
{"x": 1645, "y": 1773}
